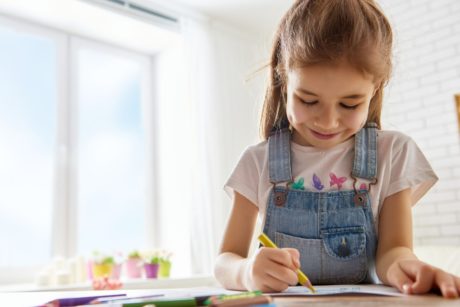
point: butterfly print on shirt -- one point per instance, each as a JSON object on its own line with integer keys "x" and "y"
{"x": 337, "y": 180}
{"x": 317, "y": 183}
{"x": 298, "y": 185}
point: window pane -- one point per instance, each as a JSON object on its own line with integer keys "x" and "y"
{"x": 27, "y": 140}
{"x": 111, "y": 159}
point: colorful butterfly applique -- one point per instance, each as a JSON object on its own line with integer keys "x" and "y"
{"x": 298, "y": 185}
{"x": 337, "y": 181}
{"x": 317, "y": 183}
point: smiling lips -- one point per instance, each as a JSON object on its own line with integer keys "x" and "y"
{"x": 323, "y": 136}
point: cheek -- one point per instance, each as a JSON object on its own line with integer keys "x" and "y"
{"x": 295, "y": 113}
{"x": 356, "y": 120}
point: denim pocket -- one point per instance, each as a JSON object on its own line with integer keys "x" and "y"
{"x": 344, "y": 243}
{"x": 325, "y": 260}
{"x": 310, "y": 253}
{"x": 345, "y": 259}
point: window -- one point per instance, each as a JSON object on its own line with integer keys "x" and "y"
{"x": 28, "y": 99}
{"x": 111, "y": 151}
{"x": 76, "y": 148}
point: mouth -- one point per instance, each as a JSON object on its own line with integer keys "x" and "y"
{"x": 323, "y": 136}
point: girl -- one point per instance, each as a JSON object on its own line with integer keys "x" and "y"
{"x": 333, "y": 190}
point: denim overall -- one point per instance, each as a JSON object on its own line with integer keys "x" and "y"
{"x": 333, "y": 231}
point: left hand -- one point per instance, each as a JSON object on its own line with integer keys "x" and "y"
{"x": 416, "y": 277}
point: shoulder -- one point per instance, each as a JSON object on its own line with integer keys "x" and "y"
{"x": 255, "y": 154}
{"x": 392, "y": 135}
{"x": 256, "y": 151}
{"x": 393, "y": 140}
{"x": 403, "y": 165}
{"x": 397, "y": 146}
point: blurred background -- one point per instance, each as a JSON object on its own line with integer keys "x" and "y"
{"x": 120, "y": 121}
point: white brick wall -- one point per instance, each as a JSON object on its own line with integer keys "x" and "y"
{"x": 420, "y": 102}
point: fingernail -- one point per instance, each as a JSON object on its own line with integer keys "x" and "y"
{"x": 406, "y": 288}
{"x": 451, "y": 291}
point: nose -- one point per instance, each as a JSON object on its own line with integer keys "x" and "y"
{"x": 327, "y": 119}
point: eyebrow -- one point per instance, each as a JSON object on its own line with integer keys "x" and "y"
{"x": 352, "y": 96}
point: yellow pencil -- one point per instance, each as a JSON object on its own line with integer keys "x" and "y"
{"x": 303, "y": 279}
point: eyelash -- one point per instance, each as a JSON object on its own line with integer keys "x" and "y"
{"x": 308, "y": 103}
{"x": 347, "y": 107}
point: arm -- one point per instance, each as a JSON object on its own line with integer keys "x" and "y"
{"x": 396, "y": 263}
{"x": 269, "y": 270}
{"x": 231, "y": 263}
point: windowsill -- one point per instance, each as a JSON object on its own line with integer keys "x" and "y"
{"x": 198, "y": 281}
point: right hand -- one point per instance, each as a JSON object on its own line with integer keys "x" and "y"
{"x": 273, "y": 269}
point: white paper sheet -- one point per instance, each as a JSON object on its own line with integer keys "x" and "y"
{"x": 340, "y": 289}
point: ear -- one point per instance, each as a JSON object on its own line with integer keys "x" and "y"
{"x": 376, "y": 88}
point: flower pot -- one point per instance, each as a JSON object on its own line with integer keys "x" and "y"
{"x": 165, "y": 269}
{"x": 116, "y": 271}
{"x": 89, "y": 269}
{"x": 133, "y": 268}
{"x": 102, "y": 270}
{"x": 151, "y": 270}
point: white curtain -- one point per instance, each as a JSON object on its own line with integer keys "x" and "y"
{"x": 187, "y": 189}
{"x": 207, "y": 115}
{"x": 203, "y": 143}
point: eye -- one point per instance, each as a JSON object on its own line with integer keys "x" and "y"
{"x": 309, "y": 102}
{"x": 348, "y": 107}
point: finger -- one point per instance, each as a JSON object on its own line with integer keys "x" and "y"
{"x": 457, "y": 283}
{"x": 272, "y": 284}
{"x": 283, "y": 274}
{"x": 446, "y": 284}
{"x": 281, "y": 256}
{"x": 423, "y": 273}
{"x": 400, "y": 279}
{"x": 295, "y": 256}
{"x": 278, "y": 264}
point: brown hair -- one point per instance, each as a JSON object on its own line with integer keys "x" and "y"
{"x": 326, "y": 31}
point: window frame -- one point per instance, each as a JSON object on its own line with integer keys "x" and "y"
{"x": 27, "y": 272}
{"x": 64, "y": 232}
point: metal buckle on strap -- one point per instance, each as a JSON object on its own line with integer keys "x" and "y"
{"x": 280, "y": 196}
{"x": 360, "y": 198}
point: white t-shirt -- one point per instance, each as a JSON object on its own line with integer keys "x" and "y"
{"x": 401, "y": 165}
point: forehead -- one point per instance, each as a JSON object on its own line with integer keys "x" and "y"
{"x": 340, "y": 77}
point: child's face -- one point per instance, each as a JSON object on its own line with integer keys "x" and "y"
{"x": 326, "y": 105}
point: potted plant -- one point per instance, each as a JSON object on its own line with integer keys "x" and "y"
{"x": 165, "y": 265}
{"x": 102, "y": 265}
{"x": 118, "y": 261}
{"x": 133, "y": 265}
{"x": 151, "y": 267}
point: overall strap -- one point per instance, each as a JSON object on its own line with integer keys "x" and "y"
{"x": 279, "y": 156}
{"x": 365, "y": 160}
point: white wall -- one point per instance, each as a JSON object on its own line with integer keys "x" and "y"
{"x": 420, "y": 102}
{"x": 238, "y": 92}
